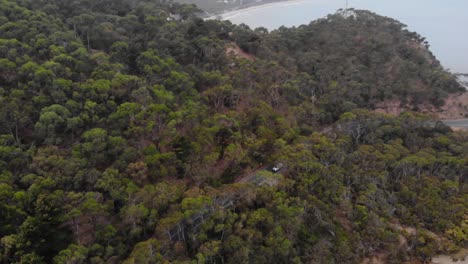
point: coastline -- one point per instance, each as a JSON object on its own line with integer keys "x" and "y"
{"x": 229, "y": 14}
{"x": 273, "y": 14}
{"x": 462, "y": 79}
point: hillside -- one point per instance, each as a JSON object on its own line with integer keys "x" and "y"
{"x": 120, "y": 120}
{"x": 367, "y": 58}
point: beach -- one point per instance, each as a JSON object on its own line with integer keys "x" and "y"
{"x": 230, "y": 14}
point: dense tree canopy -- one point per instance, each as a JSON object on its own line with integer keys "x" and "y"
{"x": 119, "y": 119}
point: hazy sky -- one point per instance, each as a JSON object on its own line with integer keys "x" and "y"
{"x": 443, "y": 22}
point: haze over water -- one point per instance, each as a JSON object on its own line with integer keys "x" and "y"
{"x": 443, "y": 22}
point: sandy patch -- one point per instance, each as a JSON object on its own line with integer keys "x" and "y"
{"x": 379, "y": 258}
{"x": 232, "y": 49}
{"x": 447, "y": 260}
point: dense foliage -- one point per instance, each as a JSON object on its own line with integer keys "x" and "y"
{"x": 119, "y": 118}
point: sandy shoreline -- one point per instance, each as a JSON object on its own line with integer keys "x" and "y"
{"x": 235, "y": 13}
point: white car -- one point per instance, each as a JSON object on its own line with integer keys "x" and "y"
{"x": 277, "y": 167}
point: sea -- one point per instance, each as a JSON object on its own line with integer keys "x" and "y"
{"x": 444, "y": 23}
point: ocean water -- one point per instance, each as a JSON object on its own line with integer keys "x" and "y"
{"x": 444, "y": 23}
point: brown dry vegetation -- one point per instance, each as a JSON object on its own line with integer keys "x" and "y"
{"x": 232, "y": 49}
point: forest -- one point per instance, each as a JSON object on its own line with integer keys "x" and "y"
{"x": 120, "y": 119}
